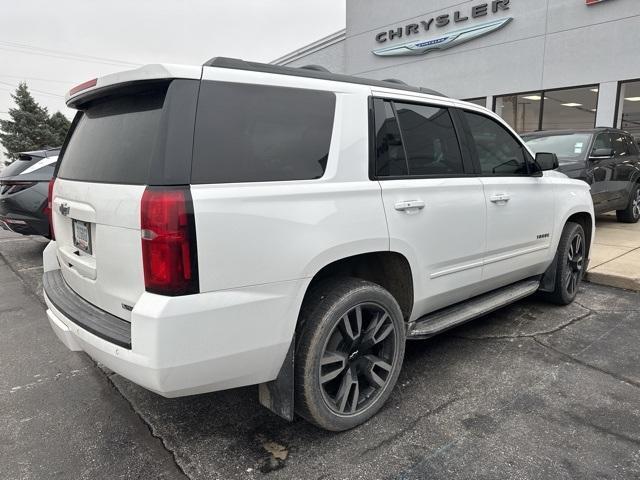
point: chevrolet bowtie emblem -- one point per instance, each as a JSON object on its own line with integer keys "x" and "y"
{"x": 64, "y": 209}
{"x": 448, "y": 40}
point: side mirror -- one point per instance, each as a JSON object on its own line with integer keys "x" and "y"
{"x": 547, "y": 161}
{"x": 601, "y": 153}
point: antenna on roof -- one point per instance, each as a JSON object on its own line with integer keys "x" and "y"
{"x": 315, "y": 68}
{"x": 394, "y": 80}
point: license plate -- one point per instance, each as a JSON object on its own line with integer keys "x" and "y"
{"x": 82, "y": 236}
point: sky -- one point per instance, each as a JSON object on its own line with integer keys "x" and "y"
{"x": 54, "y": 45}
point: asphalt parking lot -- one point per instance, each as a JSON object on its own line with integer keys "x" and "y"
{"x": 531, "y": 391}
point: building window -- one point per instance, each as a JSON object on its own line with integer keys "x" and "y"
{"x": 570, "y": 108}
{"x": 629, "y": 107}
{"x": 521, "y": 112}
{"x": 481, "y": 101}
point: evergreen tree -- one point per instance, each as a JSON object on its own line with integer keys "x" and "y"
{"x": 59, "y": 125}
{"x": 30, "y": 127}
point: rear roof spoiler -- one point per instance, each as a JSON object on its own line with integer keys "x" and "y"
{"x": 79, "y": 93}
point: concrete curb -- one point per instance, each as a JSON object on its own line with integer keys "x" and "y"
{"x": 614, "y": 280}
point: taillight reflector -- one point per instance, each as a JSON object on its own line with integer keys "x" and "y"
{"x": 168, "y": 241}
{"x": 83, "y": 86}
{"x": 49, "y": 208}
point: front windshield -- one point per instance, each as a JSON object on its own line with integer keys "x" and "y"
{"x": 571, "y": 147}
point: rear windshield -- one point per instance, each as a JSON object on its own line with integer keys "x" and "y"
{"x": 114, "y": 139}
{"x": 258, "y": 133}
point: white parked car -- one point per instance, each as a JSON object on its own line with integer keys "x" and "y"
{"x": 239, "y": 223}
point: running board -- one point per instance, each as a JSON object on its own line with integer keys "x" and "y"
{"x": 462, "y": 312}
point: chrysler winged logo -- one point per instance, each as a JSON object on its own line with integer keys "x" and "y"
{"x": 64, "y": 209}
{"x": 448, "y": 40}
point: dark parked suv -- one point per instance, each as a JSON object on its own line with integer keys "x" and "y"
{"x": 606, "y": 158}
{"x": 23, "y": 192}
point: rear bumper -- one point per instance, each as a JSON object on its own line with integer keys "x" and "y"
{"x": 100, "y": 323}
{"x": 196, "y": 343}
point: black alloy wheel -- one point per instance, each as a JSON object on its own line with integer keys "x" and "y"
{"x": 575, "y": 263}
{"x": 631, "y": 214}
{"x": 349, "y": 349}
{"x": 570, "y": 264}
{"x": 357, "y": 359}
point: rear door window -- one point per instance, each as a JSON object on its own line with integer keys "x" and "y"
{"x": 415, "y": 140}
{"x": 114, "y": 139}
{"x": 631, "y": 144}
{"x": 619, "y": 145}
{"x": 499, "y": 154}
{"x": 259, "y": 133}
{"x": 430, "y": 140}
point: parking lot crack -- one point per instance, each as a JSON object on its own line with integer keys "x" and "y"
{"x": 602, "y": 429}
{"x": 526, "y": 335}
{"x": 564, "y": 325}
{"x": 575, "y": 360}
{"x": 608, "y": 310}
{"x": 410, "y": 426}
{"x": 149, "y": 426}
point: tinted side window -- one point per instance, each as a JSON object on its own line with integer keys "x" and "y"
{"x": 430, "y": 140}
{"x": 498, "y": 151}
{"x": 631, "y": 144}
{"x": 390, "y": 158}
{"x": 603, "y": 140}
{"x": 619, "y": 144}
{"x": 257, "y": 133}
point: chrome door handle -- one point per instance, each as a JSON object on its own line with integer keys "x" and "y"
{"x": 409, "y": 206}
{"x": 500, "y": 198}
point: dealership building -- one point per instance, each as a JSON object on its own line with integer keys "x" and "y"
{"x": 540, "y": 64}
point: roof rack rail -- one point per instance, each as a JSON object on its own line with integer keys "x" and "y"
{"x": 394, "y": 80}
{"x": 316, "y": 68}
{"x": 237, "y": 64}
{"x": 431, "y": 92}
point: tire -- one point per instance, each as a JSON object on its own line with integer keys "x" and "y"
{"x": 570, "y": 264}
{"x": 349, "y": 352}
{"x": 631, "y": 214}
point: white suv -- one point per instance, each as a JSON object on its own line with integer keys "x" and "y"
{"x": 240, "y": 223}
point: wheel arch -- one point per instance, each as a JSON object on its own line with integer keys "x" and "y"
{"x": 391, "y": 270}
{"x": 586, "y": 220}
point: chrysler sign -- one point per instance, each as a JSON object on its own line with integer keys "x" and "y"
{"x": 446, "y": 40}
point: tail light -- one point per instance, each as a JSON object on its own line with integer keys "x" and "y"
{"x": 169, "y": 252}
{"x": 48, "y": 208}
{"x": 12, "y": 186}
